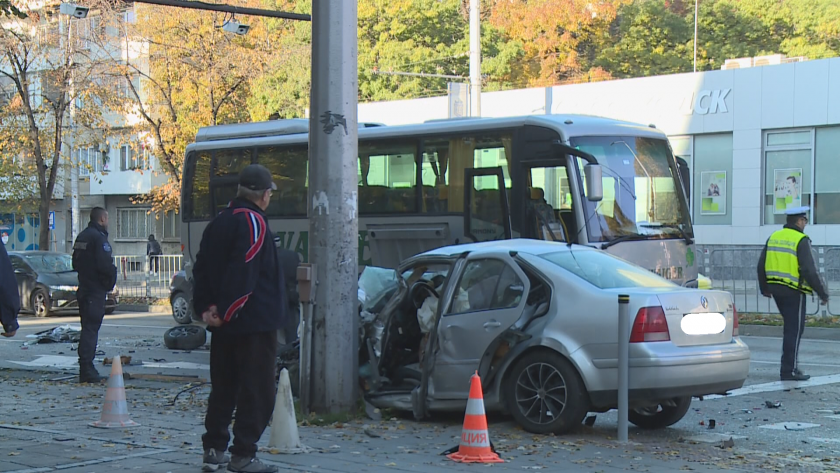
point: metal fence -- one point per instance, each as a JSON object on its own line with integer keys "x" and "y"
{"x": 735, "y": 270}
{"x": 146, "y": 276}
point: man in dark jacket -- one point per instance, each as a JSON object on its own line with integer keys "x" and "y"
{"x": 154, "y": 251}
{"x": 786, "y": 272}
{"x": 240, "y": 294}
{"x": 9, "y": 295}
{"x": 97, "y": 275}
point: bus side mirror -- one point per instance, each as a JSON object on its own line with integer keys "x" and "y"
{"x": 594, "y": 185}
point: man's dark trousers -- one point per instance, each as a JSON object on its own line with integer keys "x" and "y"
{"x": 793, "y": 314}
{"x": 91, "y": 313}
{"x": 242, "y": 369}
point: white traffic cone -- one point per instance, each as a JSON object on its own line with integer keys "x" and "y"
{"x": 284, "y": 431}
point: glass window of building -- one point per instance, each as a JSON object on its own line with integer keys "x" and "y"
{"x": 826, "y": 182}
{"x": 712, "y": 189}
{"x": 787, "y": 173}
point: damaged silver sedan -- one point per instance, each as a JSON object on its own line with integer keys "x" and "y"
{"x": 538, "y": 321}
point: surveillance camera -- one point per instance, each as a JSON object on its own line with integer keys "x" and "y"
{"x": 74, "y": 10}
{"x": 236, "y": 27}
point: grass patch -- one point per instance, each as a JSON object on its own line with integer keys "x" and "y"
{"x": 319, "y": 420}
{"x": 776, "y": 320}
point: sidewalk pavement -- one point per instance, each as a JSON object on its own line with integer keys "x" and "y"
{"x": 45, "y": 428}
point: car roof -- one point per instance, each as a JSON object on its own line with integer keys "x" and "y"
{"x": 522, "y": 245}
{"x": 36, "y": 253}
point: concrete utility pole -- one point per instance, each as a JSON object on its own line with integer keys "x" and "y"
{"x": 475, "y": 58}
{"x": 333, "y": 193}
{"x": 75, "y": 220}
{"x": 696, "y": 5}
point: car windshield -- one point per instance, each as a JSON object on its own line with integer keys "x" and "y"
{"x": 605, "y": 270}
{"x": 642, "y": 194}
{"x": 50, "y": 263}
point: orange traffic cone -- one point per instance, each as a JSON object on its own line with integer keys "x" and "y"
{"x": 475, "y": 441}
{"x": 115, "y": 409}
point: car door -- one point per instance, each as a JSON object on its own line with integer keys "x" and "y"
{"x": 25, "y": 279}
{"x": 488, "y": 298}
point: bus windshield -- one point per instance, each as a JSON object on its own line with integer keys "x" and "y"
{"x": 643, "y": 197}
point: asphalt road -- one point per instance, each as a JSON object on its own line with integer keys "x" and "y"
{"x": 806, "y": 423}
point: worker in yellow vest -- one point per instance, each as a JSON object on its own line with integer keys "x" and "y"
{"x": 787, "y": 273}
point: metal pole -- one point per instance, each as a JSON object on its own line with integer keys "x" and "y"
{"x": 333, "y": 193}
{"x": 195, "y": 5}
{"x": 623, "y": 365}
{"x": 475, "y": 58}
{"x": 696, "y": 4}
{"x": 75, "y": 221}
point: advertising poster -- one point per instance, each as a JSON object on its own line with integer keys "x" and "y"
{"x": 788, "y": 189}
{"x": 713, "y": 192}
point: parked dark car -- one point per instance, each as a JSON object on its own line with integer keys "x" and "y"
{"x": 48, "y": 283}
{"x": 180, "y": 296}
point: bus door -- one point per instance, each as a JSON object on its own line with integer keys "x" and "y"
{"x": 548, "y": 212}
{"x": 486, "y": 211}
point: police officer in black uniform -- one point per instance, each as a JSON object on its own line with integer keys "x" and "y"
{"x": 97, "y": 276}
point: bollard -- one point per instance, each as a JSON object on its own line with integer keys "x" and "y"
{"x": 623, "y": 365}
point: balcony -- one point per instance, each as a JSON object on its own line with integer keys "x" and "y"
{"x": 125, "y": 182}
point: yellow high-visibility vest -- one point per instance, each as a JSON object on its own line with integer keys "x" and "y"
{"x": 781, "y": 264}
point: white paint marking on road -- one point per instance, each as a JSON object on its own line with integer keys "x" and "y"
{"x": 826, "y": 365}
{"x": 789, "y": 426}
{"x": 66, "y": 319}
{"x": 833, "y": 417}
{"x": 778, "y": 386}
{"x": 715, "y": 438}
{"x": 809, "y": 340}
{"x": 186, "y": 365}
{"x": 57, "y": 361}
{"x": 824, "y": 440}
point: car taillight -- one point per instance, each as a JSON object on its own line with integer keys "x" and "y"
{"x": 650, "y": 326}
{"x": 735, "y": 331}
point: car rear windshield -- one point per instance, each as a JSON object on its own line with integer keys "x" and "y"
{"x": 50, "y": 263}
{"x": 604, "y": 270}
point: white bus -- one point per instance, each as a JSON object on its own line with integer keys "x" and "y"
{"x": 438, "y": 183}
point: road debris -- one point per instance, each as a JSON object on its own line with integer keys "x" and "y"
{"x": 60, "y": 334}
{"x": 773, "y": 405}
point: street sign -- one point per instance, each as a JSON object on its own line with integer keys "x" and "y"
{"x": 52, "y": 220}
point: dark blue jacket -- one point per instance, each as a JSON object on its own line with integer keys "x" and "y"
{"x": 9, "y": 295}
{"x": 236, "y": 269}
{"x": 92, "y": 260}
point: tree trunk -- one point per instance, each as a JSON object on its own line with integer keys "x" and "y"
{"x": 44, "y": 216}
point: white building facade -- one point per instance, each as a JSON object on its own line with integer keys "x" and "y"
{"x": 758, "y": 140}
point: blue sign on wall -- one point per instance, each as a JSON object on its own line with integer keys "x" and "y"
{"x": 52, "y": 220}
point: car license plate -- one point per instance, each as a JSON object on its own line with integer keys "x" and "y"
{"x": 703, "y": 324}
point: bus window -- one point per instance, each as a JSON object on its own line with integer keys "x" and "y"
{"x": 289, "y": 169}
{"x": 445, "y": 161}
{"x": 230, "y": 161}
{"x": 199, "y": 181}
{"x": 387, "y": 178}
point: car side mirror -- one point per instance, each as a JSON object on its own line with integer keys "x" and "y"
{"x": 19, "y": 271}
{"x": 542, "y": 309}
{"x": 594, "y": 185}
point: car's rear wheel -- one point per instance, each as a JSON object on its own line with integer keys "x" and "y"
{"x": 40, "y": 303}
{"x": 181, "y": 309}
{"x": 662, "y": 415}
{"x": 544, "y": 393}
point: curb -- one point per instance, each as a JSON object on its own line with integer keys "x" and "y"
{"x": 153, "y": 309}
{"x": 811, "y": 333}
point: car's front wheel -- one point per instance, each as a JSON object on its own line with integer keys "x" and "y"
{"x": 181, "y": 309}
{"x": 40, "y": 303}
{"x": 544, "y": 393}
{"x": 662, "y": 415}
